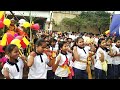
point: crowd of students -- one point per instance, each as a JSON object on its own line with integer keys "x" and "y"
{"x": 63, "y": 56}
{"x": 66, "y": 56}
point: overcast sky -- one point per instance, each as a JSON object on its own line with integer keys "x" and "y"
{"x": 116, "y": 12}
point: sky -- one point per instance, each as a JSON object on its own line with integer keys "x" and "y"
{"x": 116, "y": 12}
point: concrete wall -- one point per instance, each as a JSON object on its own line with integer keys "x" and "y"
{"x": 59, "y": 16}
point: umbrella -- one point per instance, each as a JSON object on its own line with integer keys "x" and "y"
{"x": 6, "y": 39}
{"x": 20, "y": 41}
{"x": 1, "y": 48}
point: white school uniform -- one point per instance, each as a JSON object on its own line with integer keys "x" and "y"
{"x": 83, "y": 57}
{"x": 109, "y": 58}
{"x": 38, "y": 70}
{"x": 13, "y": 73}
{"x": 53, "y": 49}
{"x": 98, "y": 63}
{"x": 116, "y": 59}
{"x": 61, "y": 72}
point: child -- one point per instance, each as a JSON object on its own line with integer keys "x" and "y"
{"x": 93, "y": 50}
{"x": 13, "y": 68}
{"x": 109, "y": 58}
{"x": 80, "y": 53}
{"x": 54, "y": 51}
{"x": 37, "y": 61}
{"x": 63, "y": 63}
{"x": 116, "y": 58}
{"x": 101, "y": 58}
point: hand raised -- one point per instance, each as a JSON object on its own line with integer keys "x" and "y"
{"x": 33, "y": 54}
{"x": 101, "y": 56}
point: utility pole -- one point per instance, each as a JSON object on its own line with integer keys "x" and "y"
{"x": 14, "y": 15}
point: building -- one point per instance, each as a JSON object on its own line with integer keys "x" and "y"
{"x": 41, "y": 17}
{"x": 57, "y": 16}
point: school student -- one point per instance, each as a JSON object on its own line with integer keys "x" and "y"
{"x": 53, "y": 51}
{"x": 116, "y": 58}
{"x": 37, "y": 61}
{"x": 13, "y": 68}
{"x": 80, "y": 52}
{"x": 101, "y": 60}
{"x": 63, "y": 63}
{"x": 110, "y": 55}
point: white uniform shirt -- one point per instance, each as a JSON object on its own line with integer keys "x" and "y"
{"x": 13, "y": 73}
{"x": 38, "y": 70}
{"x": 116, "y": 59}
{"x": 109, "y": 59}
{"x": 96, "y": 41}
{"x": 61, "y": 72}
{"x": 98, "y": 63}
{"x": 83, "y": 56}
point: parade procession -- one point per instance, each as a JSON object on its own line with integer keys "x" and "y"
{"x": 59, "y": 45}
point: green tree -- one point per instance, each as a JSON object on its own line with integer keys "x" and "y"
{"x": 97, "y": 19}
{"x": 94, "y": 19}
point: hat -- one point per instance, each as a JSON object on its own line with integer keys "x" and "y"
{"x": 1, "y": 48}
{"x": 21, "y": 21}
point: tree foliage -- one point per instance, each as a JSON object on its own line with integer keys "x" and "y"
{"x": 93, "y": 19}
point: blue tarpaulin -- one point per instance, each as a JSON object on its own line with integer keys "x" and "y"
{"x": 115, "y": 25}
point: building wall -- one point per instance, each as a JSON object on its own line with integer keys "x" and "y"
{"x": 59, "y": 15}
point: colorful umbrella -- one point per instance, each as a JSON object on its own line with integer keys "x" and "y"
{"x": 6, "y": 39}
{"x": 20, "y": 42}
{"x": 1, "y": 48}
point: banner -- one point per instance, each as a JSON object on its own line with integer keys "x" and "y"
{"x": 115, "y": 25}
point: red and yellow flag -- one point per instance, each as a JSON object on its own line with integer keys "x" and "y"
{"x": 20, "y": 42}
{"x": 2, "y": 13}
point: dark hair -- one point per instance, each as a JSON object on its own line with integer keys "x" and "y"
{"x": 76, "y": 40}
{"x": 69, "y": 38}
{"x": 43, "y": 36}
{"x": 95, "y": 47}
{"x": 61, "y": 43}
{"x": 10, "y": 48}
{"x": 35, "y": 40}
{"x": 108, "y": 38}
{"x": 116, "y": 39}
{"x": 52, "y": 40}
{"x": 4, "y": 47}
{"x": 39, "y": 42}
{"x": 99, "y": 41}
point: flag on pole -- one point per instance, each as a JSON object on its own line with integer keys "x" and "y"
{"x": 20, "y": 42}
{"x": 6, "y": 39}
{"x": 2, "y": 14}
{"x": 26, "y": 41}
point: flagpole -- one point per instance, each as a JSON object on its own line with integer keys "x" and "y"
{"x": 30, "y": 48}
{"x": 30, "y": 28}
{"x": 3, "y": 20}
